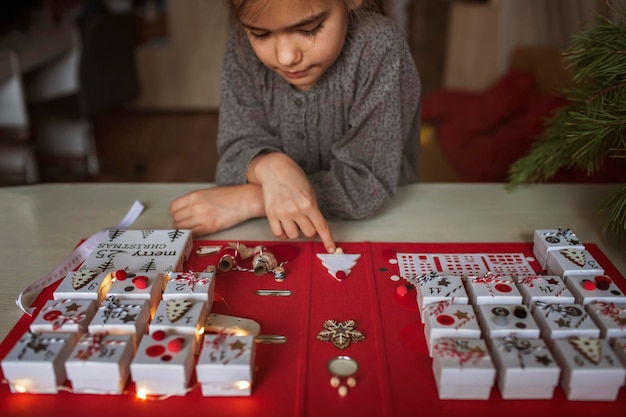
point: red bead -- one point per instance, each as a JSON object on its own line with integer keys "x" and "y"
{"x": 141, "y": 282}
{"x": 176, "y": 345}
{"x": 159, "y": 335}
{"x": 404, "y": 289}
{"x": 445, "y": 320}
{"x": 503, "y": 288}
{"x": 120, "y": 275}
{"x": 588, "y": 285}
{"x": 155, "y": 350}
{"x": 52, "y": 315}
{"x": 340, "y": 275}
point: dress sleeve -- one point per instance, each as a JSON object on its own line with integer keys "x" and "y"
{"x": 244, "y": 130}
{"x": 381, "y": 147}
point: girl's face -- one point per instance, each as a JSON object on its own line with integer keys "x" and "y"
{"x": 299, "y": 40}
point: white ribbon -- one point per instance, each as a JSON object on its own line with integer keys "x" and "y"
{"x": 74, "y": 259}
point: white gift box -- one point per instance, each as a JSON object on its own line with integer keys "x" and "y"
{"x": 493, "y": 289}
{"x": 141, "y": 286}
{"x": 548, "y": 288}
{"x": 191, "y": 286}
{"x": 225, "y": 365}
{"x": 163, "y": 364}
{"x": 71, "y": 315}
{"x": 36, "y": 363}
{"x": 432, "y": 288}
{"x": 117, "y": 316}
{"x": 609, "y": 317}
{"x": 590, "y": 370}
{"x": 83, "y": 284}
{"x": 100, "y": 363}
{"x": 463, "y": 368}
{"x": 588, "y": 288}
{"x": 141, "y": 251}
{"x": 547, "y": 240}
{"x": 558, "y": 321}
{"x": 568, "y": 262}
{"x": 502, "y": 320}
{"x": 445, "y": 319}
{"x": 184, "y": 317}
{"x": 525, "y": 368}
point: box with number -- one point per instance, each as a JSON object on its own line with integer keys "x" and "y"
{"x": 36, "y": 362}
{"x": 141, "y": 251}
{"x": 548, "y": 240}
{"x": 100, "y": 363}
{"x": 559, "y": 321}
{"x": 225, "y": 366}
{"x": 144, "y": 286}
{"x": 590, "y": 369}
{"x": 432, "y": 288}
{"x": 525, "y": 368}
{"x": 569, "y": 262}
{"x": 163, "y": 364}
{"x": 609, "y": 317}
{"x": 548, "y": 288}
{"x": 190, "y": 286}
{"x": 83, "y": 284}
{"x": 445, "y": 319}
{"x": 589, "y": 288}
{"x": 463, "y": 368}
{"x": 493, "y": 289}
{"x": 64, "y": 316}
{"x": 118, "y": 316}
{"x": 184, "y": 317}
{"x": 502, "y": 320}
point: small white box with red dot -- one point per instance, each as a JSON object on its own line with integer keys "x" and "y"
{"x": 83, "y": 284}
{"x": 138, "y": 286}
{"x": 548, "y": 240}
{"x": 492, "y": 288}
{"x": 70, "y": 315}
{"x": 569, "y": 262}
{"x": 225, "y": 366}
{"x": 444, "y": 319}
{"x": 163, "y": 365}
{"x": 190, "y": 286}
{"x": 525, "y": 368}
{"x": 590, "y": 370}
{"x": 548, "y": 288}
{"x": 184, "y": 317}
{"x": 588, "y": 288}
{"x": 609, "y": 317}
{"x": 118, "y": 316}
{"x": 432, "y": 288}
{"x": 36, "y": 363}
{"x": 463, "y": 368}
{"x": 100, "y": 363}
{"x": 502, "y": 320}
{"x": 560, "y": 321}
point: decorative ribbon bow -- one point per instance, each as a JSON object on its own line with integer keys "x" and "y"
{"x": 190, "y": 279}
{"x": 452, "y": 349}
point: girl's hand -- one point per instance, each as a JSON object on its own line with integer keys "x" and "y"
{"x": 213, "y": 209}
{"x": 290, "y": 201}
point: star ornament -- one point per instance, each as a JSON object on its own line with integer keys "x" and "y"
{"x": 340, "y": 333}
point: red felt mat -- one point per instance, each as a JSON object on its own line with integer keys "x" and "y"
{"x": 395, "y": 376}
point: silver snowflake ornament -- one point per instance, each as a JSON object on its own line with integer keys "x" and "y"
{"x": 340, "y": 333}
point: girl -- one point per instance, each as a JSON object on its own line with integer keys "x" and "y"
{"x": 319, "y": 117}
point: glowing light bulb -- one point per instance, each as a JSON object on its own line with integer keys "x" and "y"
{"x": 19, "y": 388}
{"x": 200, "y": 331}
{"x": 142, "y": 394}
{"x": 242, "y": 385}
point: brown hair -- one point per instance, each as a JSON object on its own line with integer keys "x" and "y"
{"x": 240, "y": 8}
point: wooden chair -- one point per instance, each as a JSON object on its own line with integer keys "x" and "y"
{"x": 18, "y": 164}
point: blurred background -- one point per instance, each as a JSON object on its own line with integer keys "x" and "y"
{"x": 128, "y": 90}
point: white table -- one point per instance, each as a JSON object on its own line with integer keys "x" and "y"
{"x": 41, "y": 224}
